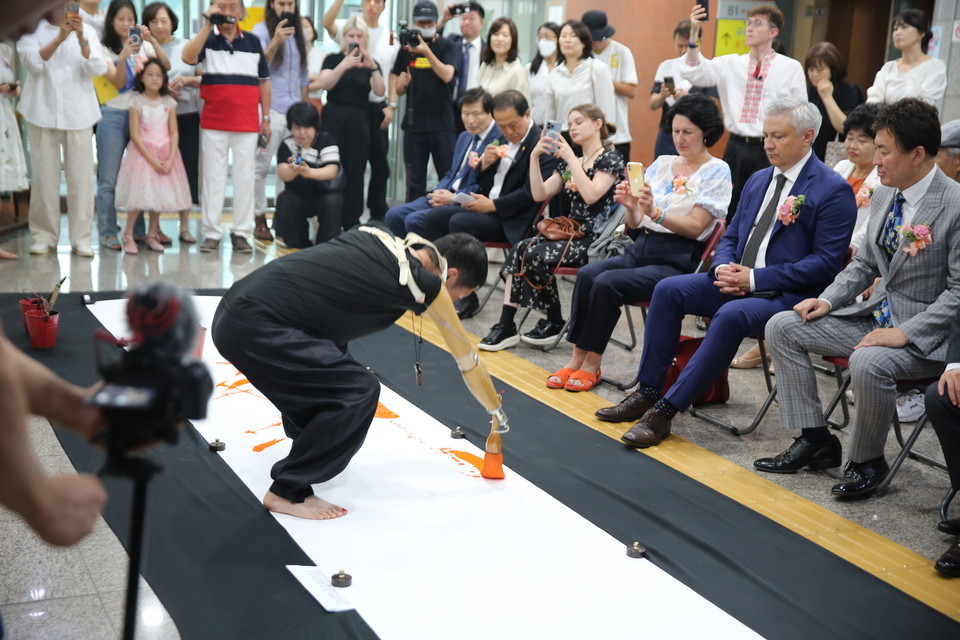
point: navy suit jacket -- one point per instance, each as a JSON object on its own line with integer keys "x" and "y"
{"x": 805, "y": 256}
{"x": 469, "y": 182}
{"x": 516, "y": 206}
{"x": 457, "y": 39}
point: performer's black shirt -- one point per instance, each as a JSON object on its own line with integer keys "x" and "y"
{"x": 339, "y": 290}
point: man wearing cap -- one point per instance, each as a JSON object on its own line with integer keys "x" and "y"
{"x": 948, "y": 158}
{"x": 942, "y": 400}
{"x": 623, "y": 70}
{"x": 468, "y": 45}
{"x": 424, "y": 72}
{"x": 747, "y": 84}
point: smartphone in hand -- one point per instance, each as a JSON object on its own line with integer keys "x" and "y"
{"x": 353, "y": 49}
{"x": 706, "y": 9}
{"x": 553, "y": 129}
{"x": 73, "y": 10}
{"x": 462, "y": 198}
{"x": 635, "y": 176}
{"x": 135, "y": 35}
{"x": 668, "y": 83}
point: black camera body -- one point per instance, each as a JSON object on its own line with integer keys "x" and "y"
{"x": 290, "y": 17}
{"x": 154, "y": 386}
{"x": 459, "y": 9}
{"x": 220, "y": 18}
{"x": 408, "y": 37}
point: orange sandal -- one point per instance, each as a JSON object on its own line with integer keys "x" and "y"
{"x": 587, "y": 380}
{"x": 564, "y": 375}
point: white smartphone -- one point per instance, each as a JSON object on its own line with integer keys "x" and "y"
{"x": 635, "y": 176}
{"x": 553, "y": 129}
{"x": 462, "y": 198}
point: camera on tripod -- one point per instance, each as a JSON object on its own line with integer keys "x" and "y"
{"x": 407, "y": 36}
{"x": 154, "y": 386}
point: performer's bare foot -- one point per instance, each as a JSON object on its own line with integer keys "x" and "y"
{"x": 313, "y": 508}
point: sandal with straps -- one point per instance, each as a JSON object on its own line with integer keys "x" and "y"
{"x": 564, "y": 375}
{"x": 587, "y": 380}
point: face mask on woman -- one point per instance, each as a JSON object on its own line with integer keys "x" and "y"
{"x": 547, "y": 47}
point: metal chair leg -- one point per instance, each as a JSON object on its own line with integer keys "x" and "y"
{"x": 629, "y": 346}
{"x": 840, "y": 398}
{"x": 906, "y": 446}
{"x": 933, "y": 462}
{"x": 945, "y": 503}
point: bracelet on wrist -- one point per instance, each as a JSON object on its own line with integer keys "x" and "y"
{"x": 693, "y": 45}
{"x": 663, "y": 214}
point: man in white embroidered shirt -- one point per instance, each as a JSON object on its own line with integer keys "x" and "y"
{"x": 747, "y": 84}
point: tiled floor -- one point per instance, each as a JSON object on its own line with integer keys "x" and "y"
{"x": 78, "y": 593}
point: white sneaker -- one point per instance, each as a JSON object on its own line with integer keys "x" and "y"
{"x": 850, "y": 398}
{"x": 83, "y": 252}
{"x": 910, "y": 406}
{"x": 38, "y": 249}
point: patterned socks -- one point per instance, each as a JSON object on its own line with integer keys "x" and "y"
{"x": 649, "y": 392}
{"x": 664, "y": 408}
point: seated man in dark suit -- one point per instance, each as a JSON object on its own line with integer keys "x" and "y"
{"x": 943, "y": 408}
{"x": 502, "y": 208}
{"x": 476, "y": 111}
{"x": 899, "y": 332}
{"x": 779, "y": 250}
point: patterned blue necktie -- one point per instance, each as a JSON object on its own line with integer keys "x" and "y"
{"x": 890, "y": 241}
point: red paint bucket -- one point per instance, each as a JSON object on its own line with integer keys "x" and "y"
{"x": 27, "y": 304}
{"x": 42, "y": 328}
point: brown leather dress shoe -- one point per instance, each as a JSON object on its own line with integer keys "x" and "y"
{"x": 261, "y": 231}
{"x": 651, "y": 430}
{"x": 630, "y": 408}
{"x": 949, "y": 562}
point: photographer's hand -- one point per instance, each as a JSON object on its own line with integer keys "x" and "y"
{"x": 68, "y": 509}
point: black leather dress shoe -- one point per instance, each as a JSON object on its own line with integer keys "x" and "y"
{"x": 949, "y": 562}
{"x": 861, "y": 478}
{"x": 467, "y": 307}
{"x": 650, "y": 431}
{"x": 950, "y": 526}
{"x": 630, "y": 408}
{"x": 804, "y": 453}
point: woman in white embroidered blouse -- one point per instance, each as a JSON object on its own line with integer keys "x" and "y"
{"x": 500, "y": 70}
{"x": 579, "y": 78}
{"x": 915, "y": 74}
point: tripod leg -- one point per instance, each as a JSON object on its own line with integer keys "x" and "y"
{"x": 136, "y": 547}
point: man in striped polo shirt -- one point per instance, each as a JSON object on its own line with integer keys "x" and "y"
{"x": 235, "y": 82}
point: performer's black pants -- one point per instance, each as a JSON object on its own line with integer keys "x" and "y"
{"x": 326, "y": 398}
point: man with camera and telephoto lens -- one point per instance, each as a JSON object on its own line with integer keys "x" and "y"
{"x": 424, "y": 71}
{"x": 287, "y": 331}
{"x": 235, "y": 88}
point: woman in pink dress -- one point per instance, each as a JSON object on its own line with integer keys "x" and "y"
{"x": 152, "y": 177}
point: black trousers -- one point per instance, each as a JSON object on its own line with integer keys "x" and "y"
{"x": 326, "y": 398}
{"x": 945, "y": 419}
{"x": 744, "y": 159}
{"x": 379, "y": 164}
{"x": 353, "y": 138}
{"x": 295, "y": 208}
{"x": 418, "y": 148}
{"x": 188, "y": 126}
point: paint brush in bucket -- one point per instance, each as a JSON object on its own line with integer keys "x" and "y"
{"x": 55, "y": 294}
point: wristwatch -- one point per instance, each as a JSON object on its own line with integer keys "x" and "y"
{"x": 267, "y": 118}
{"x": 392, "y": 104}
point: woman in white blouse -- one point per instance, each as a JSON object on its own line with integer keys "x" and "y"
{"x": 500, "y": 70}
{"x": 579, "y": 78}
{"x": 914, "y": 74}
{"x": 538, "y": 70}
{"x": 59, "y": 104}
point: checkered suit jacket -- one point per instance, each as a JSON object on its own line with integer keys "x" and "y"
{"x": 923, "y": 290}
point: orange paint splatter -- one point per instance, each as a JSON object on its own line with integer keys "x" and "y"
{"x": 383, "y": 412}
{"x": 468, "y": 458}
{"x": 269, "y": 426}
{"x": 264, "y": 445}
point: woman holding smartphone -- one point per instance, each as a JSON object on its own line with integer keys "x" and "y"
{"x": 587, "y": 186}
{"x": 674, "y": 214}
{"x": 125, "y": 46}
{"x": 349, "y": 77}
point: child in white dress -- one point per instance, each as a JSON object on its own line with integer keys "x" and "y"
{"x": 13, "y": 166}
{"x": 152, "y": 177}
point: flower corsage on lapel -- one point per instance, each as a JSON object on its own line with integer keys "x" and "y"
{"x": 787, "y": 212}
{"x": 568, "y": 181}
{"x": 681, "y": 185}
{"x": 473, "y": 160}
{"x": 917, "y": 237}
{"x": 865, "y": 195}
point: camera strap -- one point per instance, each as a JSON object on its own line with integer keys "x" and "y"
{"x": 399, "y": 248}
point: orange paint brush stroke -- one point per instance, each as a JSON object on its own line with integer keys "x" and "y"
{"x": 264, "y": 445}
{"x": 383, "y": 412}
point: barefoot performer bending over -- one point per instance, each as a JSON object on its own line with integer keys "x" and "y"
{"x": 286, "y": 327}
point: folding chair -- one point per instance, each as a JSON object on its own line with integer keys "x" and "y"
{"x": 841, "y": 366}
{"x": 706, "y": 256}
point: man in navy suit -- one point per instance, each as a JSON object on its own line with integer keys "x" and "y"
{"x": 777, "y": 252}
{"x": 476, "y": 111}
{"x": 469, "y": 44}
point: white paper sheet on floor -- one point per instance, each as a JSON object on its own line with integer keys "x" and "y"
{"x": 436, "y": 551}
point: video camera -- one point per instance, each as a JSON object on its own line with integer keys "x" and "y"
{"x": 154, "y": 386}
{"x": 221, "y": 18}
{"x": 407, "y": 36}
